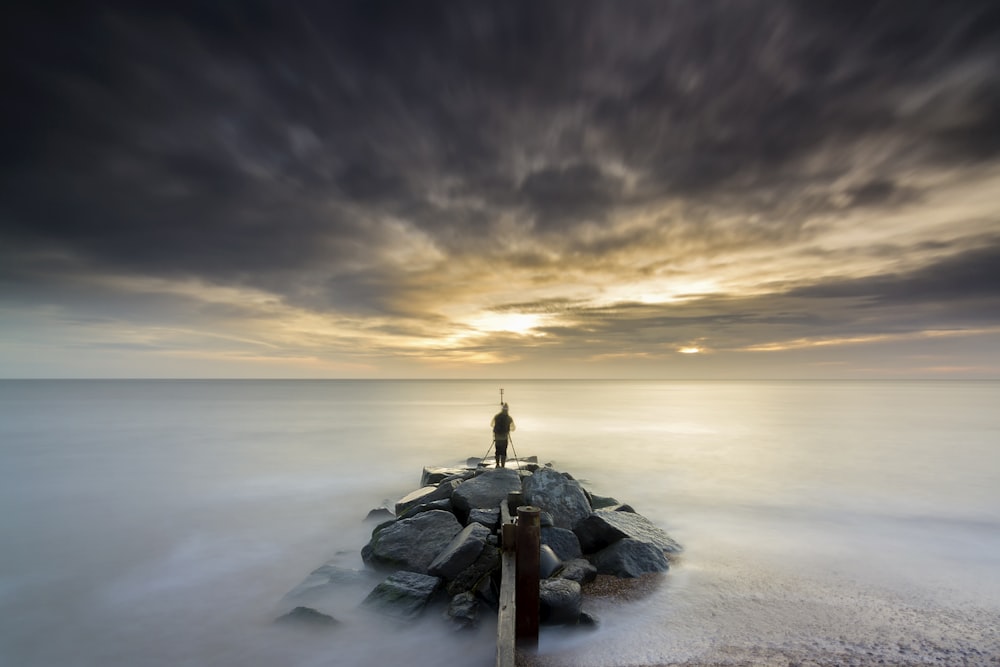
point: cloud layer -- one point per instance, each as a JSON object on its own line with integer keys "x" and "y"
{"x": 383, "y": 188}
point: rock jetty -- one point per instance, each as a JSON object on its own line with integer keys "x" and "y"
{"x": 441, "y": 548}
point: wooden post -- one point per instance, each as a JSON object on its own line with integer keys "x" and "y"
{"x": 505, "y": 615}
{"x": 506, "y": 640}
{"x": 526, "y": 580}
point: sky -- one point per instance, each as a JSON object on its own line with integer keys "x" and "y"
{"x": 705, "y": 189}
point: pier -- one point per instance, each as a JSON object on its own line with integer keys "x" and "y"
{"x": 518, "y": 610}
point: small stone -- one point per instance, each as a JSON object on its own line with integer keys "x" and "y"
{"x": 307, "y": 617}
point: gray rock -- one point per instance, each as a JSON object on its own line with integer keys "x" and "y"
{"x": 548, "y": 562}
{"x": 412, "y": 544}
{"x": 379, "y": 514}
{"x": 403, "y": 595}
{"x": 628, "y": 558}
{"x": 560, "y": 602}
{"x": 604, "y": 527}
{"x": 325, "y": 575}
{"x": 330, "y": 589}
{"x": 442, "y": 504}
{"x": 436, "y": 475}
{"x": 307, "y": 617}
{"x": 476, "y": 576}
{"x": 600, "y": 502}
{"x": 486, "y": 490}
{"x": 463, "y": 610}
{"x": 487, "y": 517}
{"x": 461, "y": 552}
{"x": 579, "y": 569}
{"x": 424, "y": 495}
{"x": 562, "y": 541}
{"x": 561, "y": 497}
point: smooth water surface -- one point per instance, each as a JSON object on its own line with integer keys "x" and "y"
{"x": 160, "y": 522}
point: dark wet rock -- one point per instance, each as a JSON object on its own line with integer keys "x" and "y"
{"x": 460, "y": 553}
{"x": 487, "y": 490}
{"x": 433, "y": 558}
{"x": 307, "y": 617}
{"x": 330, "y": 589}
{"x": 580, "y": 570}
{"x": 487, "y": 517}
{"x": 587, "y": 620}
{"x": 403, "y": 595}
{"x": 562, "y": 541}
{"x": 435, "y": 475}
{"x": 425, "y": 495}
{"x": 412, "y": 544}
{"x": 600, "y": 502}
{"x": 326, "y": 576}
{"x": 554, "y": 493}
{"x": 560, "y": 602}
{"x": 379, "y": 514}
{"x": 442, "y": 504}
{"x": 473, "y": 577}
{"x": 605, "y": 527}
{"x": 461, "y": 477}
{"x": 628, "y": 558}
{"x": 463, "y": 610}
{"x": 548, "y": 562}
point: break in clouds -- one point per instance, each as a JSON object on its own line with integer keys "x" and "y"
{"x": 636, "y": 176}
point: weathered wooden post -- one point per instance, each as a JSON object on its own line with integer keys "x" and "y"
{"x": 526, "y": 580}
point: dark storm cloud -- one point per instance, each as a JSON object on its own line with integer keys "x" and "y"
{"x": 261, "y": 143}
{"x": 575, "y": 194}
{"x": 960, "y": 280}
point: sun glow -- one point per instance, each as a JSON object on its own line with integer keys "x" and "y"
{"x": 519, "y": 323}
{"x": 689, "y": 350}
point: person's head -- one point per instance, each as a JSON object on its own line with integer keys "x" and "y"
{"x": 505, "y": 407}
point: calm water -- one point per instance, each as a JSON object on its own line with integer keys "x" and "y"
{"x": 159, "y": 523}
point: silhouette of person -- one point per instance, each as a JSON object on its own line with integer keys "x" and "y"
{"x": 502, "y": 424}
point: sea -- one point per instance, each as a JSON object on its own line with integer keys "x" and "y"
{"x": 161, "y": 523}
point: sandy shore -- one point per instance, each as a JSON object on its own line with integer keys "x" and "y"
{"x": 613, "y": 590}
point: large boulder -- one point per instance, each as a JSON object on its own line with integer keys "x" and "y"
{"x": 403, "y": 595}
{"x": 562, "y": 541}
{"x": 487, "y": 517}
{"x": 558, "y": 495}
{"x": 476, "y": 576}
{"x": 325, "y": 576}
{"x": 380, "y": 514}
{"x": 435, "y": 475}
{"x": 330, "y": 589}
{"x": 461, "y": 552}
{"x": 414, "y": 510}
{"x": 307, "y": 617}
{"x": 463, "y": 610}
{"x": 425, "y": 495}
{"x": 559, "y": 602}
{"x": 579, "y": 569}
{"x": 600, "y": 502}
{"x": 486, "y": 490}
{"x": 628, "y": 558}
{"x": 412, "y": 544}
{"x": 605, "y": 527}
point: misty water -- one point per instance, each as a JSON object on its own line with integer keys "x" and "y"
{"x": 161, "y": 522}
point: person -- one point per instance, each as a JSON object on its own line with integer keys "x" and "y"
{"x": 502, "y": 424}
